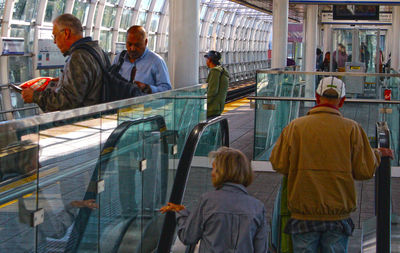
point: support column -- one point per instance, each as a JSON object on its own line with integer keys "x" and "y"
{"x": 5, "y": 32}
{"x": 311, "y": 46}
{"x": 279, "y": 33}
{"x": 183, "y": 44}
{"x": 327, "y": 39}
{"x": 395, "y": 38}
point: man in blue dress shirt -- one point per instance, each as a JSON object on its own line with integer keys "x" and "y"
{"x": 142, "y": 66}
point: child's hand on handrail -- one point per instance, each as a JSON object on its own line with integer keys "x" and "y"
{"x": 171, "y": 207}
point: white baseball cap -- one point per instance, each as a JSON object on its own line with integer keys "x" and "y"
{"x": 331, "y": 83}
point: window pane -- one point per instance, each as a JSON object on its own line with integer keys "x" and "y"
{"x": 25, "y": 10}
{"x": 155, "y": 19}
{"x": 158, "y": 6}
{"x": 213, "y": 16}
{"x": 109, "y": 16}
{"x": 121, "y": 37}
{"x": 130, "y": 3}
{"x": 112, "y": 1}
{"x": 18, "y": 31}
{"x": 210, "y": 29}
{"x": 50, "y": 72}
{"x": 142, "y": 19}
{"x": 23, "y": 31}
{"x": 145, "y": 5}
{"x": 20, "y": 68}
{"x": 217, "y": 30}
{"x": 221, "y": 15}
{"x": 203, "y": 12}
{"x": 126, "y": 19}
{"x": 105, "y": 40}
{"x": 54, "y": 9}
{"x": 80, "y": 10}
{"x": 2, "y": 2}
{"x": 152, "y": 42}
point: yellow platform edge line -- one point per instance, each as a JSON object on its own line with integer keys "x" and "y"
{"x": 235, "y": 104}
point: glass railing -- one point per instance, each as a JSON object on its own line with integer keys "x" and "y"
{"x": 193, "y": 176}
{"x": 57, "y": 165}
{"x": 282, "y": 96}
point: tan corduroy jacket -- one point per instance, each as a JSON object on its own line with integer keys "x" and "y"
{"x": 322, "y": 154}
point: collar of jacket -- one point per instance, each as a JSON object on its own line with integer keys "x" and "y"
{"x": 323, "y": 108}
{"x": 80, "y": 41}
{"x": 232, "y": 187}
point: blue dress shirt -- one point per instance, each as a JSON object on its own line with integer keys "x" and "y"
{"x": 150, "y": 69}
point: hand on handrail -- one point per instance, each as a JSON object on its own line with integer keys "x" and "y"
{"x": 171, "y": 207}
{"x": 89, "y": 203}
{"x": 386, "y": 152}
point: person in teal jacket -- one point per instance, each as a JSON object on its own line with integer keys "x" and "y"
{"x": 218, "y": 81}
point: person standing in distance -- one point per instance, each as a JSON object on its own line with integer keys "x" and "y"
{"x": 142, "y": 66}
{"x": 218, "y": 82}
{"x": 81, "y": 81}
{"x": 322, "y": 154}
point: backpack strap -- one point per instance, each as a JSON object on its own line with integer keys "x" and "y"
{"x": 94, "y": 53}
{"x": 120, "y": 60}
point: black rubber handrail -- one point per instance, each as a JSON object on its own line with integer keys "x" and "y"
{"x": 84, "y": 213}
{"x": 383, "y": 192}
{"x": 181, "y": 177}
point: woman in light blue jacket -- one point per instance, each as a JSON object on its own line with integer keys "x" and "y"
{"x": 227, "y": 219}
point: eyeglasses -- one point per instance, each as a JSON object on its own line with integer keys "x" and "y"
{"x": 55, "y": 35}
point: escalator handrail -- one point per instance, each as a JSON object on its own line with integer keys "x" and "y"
{"x": 181, "y": 177}
{"x": 91, "y": 193}
{"x": 383, "y": 192}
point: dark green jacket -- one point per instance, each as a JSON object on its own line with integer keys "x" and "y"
{"x": 218, "y": 81}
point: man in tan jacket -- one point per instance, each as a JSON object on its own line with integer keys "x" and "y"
{"x": 322, "y": 154}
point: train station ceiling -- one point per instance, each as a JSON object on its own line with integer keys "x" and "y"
{"x": 296, "y": 11}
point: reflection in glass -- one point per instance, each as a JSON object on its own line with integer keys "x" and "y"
{"x": 158, "y": 6}
{"x": 142, "y": 18}
{"x": 145, "y": 5}
{"x": 121, "y": 37}
{"x": 105, "y": 40}
{"x": 126, "y": 19}
{"x": 203, "y": 12}
{"x": 54, "y": 9}
{"x": 19, "y": 31}
{"x": 25, "y": 10}
{"x": 130, "y": 3}
{"x": 155, "y": 19}
{"x": 2, "y": 2}
{"x": 210, "y": 29}
{"x": 81, "y": 10}
{"x": 152, "y": 42}
{"x": 109, "y": 16}
{"x": 20, "y": 68}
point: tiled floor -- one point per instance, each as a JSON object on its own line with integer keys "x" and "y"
{"x": 266, "y": 184}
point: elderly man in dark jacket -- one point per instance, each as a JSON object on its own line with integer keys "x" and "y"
{"x": 81, "y": 81}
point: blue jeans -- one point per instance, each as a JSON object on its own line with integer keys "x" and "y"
{"x": 327, "y": 242}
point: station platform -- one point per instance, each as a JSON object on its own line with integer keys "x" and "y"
{"x": 266, "y": 184}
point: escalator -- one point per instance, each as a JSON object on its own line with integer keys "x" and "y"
{"x": 130, "y": 190}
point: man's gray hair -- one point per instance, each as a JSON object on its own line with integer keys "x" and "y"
{"x": 69, "y": 21}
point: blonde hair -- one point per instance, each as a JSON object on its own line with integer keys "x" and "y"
{"x": 231, "y": 165}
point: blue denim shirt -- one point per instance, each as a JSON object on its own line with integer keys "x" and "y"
{"x": 150, "y": 69}
{"x": 225, "y": 220}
